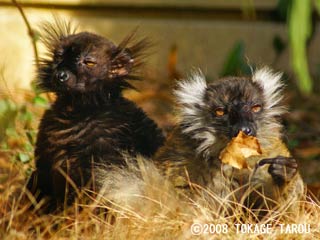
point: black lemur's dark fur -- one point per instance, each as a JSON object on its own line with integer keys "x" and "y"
{"x": 90, "y": 121}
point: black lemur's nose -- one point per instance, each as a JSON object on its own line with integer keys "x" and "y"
{"x": 62, "y": 76}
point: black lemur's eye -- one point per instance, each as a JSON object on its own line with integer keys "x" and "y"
{"x": 90, "y": 62}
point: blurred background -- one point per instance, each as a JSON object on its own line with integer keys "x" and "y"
{"x": 220, "y": 37}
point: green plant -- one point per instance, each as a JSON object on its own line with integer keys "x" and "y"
{"x": 17, "y": 126}
{"x": 235, "y": 62}
{"x": 299, "y": 19}
{"x": 300, "y": 28}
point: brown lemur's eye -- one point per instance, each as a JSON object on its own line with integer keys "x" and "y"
{"x": 256, "y": 108}
{"x": 219, "y": 112}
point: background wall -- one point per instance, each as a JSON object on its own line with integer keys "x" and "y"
{"x": 203, "y": 32}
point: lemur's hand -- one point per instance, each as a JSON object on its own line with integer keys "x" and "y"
{"x": 282, "y": 169}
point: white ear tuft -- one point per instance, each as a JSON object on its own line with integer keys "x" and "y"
{"x": 271, "y": 84}
{"x": 190, "y": 96}
{"x": 190, "y": 92}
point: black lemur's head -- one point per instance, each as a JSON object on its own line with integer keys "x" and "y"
{"x": 214, "y": 113}
{"x": 85, "y": 62}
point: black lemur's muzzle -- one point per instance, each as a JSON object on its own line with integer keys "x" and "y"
{"x": 62, "y": 75}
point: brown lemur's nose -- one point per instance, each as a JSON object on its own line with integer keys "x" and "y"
{"x": 246, "y": 128}
{"x": 62, "y": 76}
{"x": 240, "y": 119}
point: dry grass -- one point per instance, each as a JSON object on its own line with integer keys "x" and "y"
{"x": 150, "y": 209}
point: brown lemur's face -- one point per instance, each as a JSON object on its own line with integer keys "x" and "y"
{"x": 233, "y": 105}
{"x": 213, "y": 113}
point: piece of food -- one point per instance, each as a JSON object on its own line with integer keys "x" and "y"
{"x": 240, "y": 148}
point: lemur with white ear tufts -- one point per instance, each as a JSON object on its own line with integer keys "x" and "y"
{"x": 90, "y": 122}
{"x": 211, "y": 114}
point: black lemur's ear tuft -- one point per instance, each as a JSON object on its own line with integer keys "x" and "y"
{"x": 128, "y": 56}
{"x": 51, "y": 33}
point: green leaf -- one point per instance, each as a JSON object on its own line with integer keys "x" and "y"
{"x": 23, "y": 157}
{"x": 282, "y": 8}
{"x": 8, "y": 113}
{"x": 299, "y": 31}
{"x": 28, "y": 147}
{"x": 278, "y": 44}
{"x": 317, "y": 5}
{"x": 31, "y": 135}
{"x": 235, "y": 62}
{"x": 293, "y": 143}
{"x": 38, "y": 100}
{"x": 7, "y": 105}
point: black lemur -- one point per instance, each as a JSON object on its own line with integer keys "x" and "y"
{"x": 90, "y": 122}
